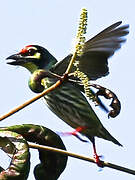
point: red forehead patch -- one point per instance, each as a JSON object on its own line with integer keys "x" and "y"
{"x": 25, "y": 49}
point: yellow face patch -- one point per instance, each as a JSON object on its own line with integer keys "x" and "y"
{"x": 37, "y": 55}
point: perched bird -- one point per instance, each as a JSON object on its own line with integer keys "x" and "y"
{"x": 67, "y": 101}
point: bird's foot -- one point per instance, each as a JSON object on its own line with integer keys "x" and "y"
{"x": 79, "y": 129}
{"x": 98, "y": 161}
{"x": 75, "y": 133}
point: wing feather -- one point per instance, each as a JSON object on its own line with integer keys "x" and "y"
{"x": 97, "y": 50}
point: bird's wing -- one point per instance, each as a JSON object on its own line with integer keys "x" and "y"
{"x": 96, "y": 51}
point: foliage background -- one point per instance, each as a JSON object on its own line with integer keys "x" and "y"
{"x": 53, "y": 25}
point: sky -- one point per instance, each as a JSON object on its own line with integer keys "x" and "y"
{"x": 53, "y": 24}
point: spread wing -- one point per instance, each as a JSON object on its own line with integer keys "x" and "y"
{"x": 97, "y": 50}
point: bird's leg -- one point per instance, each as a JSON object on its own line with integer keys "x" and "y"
{"x": 115, "y": 104}
{"x": 75, "y": 133}
{"x": 79, "y": 129}
{"x": 96, "y": 156}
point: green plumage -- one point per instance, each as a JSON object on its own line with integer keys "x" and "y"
{"x": 67, "y": 101}
{"x": 70, "y": 105}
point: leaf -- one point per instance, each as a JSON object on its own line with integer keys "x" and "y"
{"x": 17, "y": 148}
{"x": 51, "y": 164}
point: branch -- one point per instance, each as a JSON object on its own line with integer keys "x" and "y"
{"x": 85, "y": 158}
{"x": 71, "y": 62}
{"x": 30, "y": 101}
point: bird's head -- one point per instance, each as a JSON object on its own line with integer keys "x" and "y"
{"x": 33, "y": 57}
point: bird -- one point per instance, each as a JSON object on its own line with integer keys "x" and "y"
{"x": 68, "y": 101}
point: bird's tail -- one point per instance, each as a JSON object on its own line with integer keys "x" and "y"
{"x": 103, "y": 133}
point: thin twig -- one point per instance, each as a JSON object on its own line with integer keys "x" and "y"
{"x": 71, "y": 62}
{"x": 85, "y": 158}
{"x": 16, "y": 109}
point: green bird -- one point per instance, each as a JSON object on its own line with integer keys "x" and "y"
{"x": 67, "y": 101}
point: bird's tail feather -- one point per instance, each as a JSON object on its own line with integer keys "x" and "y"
{"x": 103, "y": 133}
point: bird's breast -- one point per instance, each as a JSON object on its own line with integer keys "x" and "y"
{"x": 70, "y": 105}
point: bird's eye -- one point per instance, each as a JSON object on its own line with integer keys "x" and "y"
{"x": 31, "y": 52}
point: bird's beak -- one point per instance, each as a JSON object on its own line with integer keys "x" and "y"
{"x": 18, "y": 59}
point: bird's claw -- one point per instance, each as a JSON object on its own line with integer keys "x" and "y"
{"x": 108, "y": 94}
{"x": 74, "y": 133}
{"x": 98, "y": 161}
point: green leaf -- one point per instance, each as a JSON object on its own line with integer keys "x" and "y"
{"x": 51, "y": 164}
{"x": 17, "y": 148}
